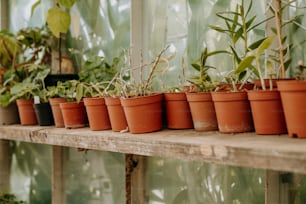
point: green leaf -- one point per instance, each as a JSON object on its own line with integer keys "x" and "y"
{"x": 58, "y": 21}
{"x": 264, "y": 45}
{"x": 37, "y": 3}
{"x": 237, "y": 58}
{"x": 256, "y": 44}
{"x": 244, "y": 64}
{"x": 66, "y": 3}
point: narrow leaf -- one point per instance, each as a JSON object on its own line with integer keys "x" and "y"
{"x": 244, "y": 64}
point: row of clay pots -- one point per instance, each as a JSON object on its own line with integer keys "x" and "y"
{"x": 243, "y": 109}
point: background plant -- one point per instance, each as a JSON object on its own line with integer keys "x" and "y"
{"x": 238, "y": 24}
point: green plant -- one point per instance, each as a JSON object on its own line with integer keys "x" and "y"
{"x": 280, "y": 58}
{"x": 36, "y": 44}
{"x": 144, "y": 85}
{"x": 202, "y": 80}
{"x": 10, "y": 48}
{"x": 8, "y": 198}
{"x": 32, "y": 85}
{"x": 238, "y": 27}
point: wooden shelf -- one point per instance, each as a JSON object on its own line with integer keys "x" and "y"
{"x": 279, "y": 153}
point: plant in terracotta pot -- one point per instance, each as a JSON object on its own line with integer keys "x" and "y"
{"x": 143, "y": 106}
{"x": 25, "y": 91}
{"x": 266, "y": 106}
{"x": 178, "y": 115}
{"x": 200, "y": 101}
{"x": 10, "y": 73}
{"x": 238, "y": 27}
{"x": 95, "y": 77}
{"x": 73, "y": 111}
{"x": 293, "y": 100}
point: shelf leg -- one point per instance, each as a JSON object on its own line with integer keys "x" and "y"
{"x": 58, "y": 181}
{"x": 5, "y": 164}
{"x": 135, "y": 182}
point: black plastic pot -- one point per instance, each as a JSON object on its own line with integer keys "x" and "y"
{"x": 52, "y": 79}
{"x": 44, "y": 114}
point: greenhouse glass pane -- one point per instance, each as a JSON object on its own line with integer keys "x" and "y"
{"x": 93, "y": 177}
{"x": 99, "y": 28}
{"x": 20, "y": 14}
{"x": 185, "y": 26}
{"x": 31, "y": 172}
{"x": 181, "y": 182}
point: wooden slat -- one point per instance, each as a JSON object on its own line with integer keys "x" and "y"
{"x": 58, "y": 182}
{"x": 279, "y": 153}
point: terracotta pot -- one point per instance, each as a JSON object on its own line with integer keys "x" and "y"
{"x": 44, "y": 114}
{"x": 97, "y": 114}
{"x": 144, "y": 113}
{"x": 233, "y": 111}
{"x": 293, "y": 96}
{"x": 177, "y": 110}
{"x": 202, "y": 111}
{"x": 26, "y": 111}
{"x": 116, "y": 114}
{"x": 57, "y": 112}
{"x": 74, "y": 114}
{"x": 267, "y": 112}
{"x": 9, "y": 115}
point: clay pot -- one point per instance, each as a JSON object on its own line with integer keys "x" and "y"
{"x": 177, "y": 110}
{"x": 202, "y": 111}
{"x": 57, "y": 112}
{"x": 9, "y": 115}
{"x": 26, "y": 111}
{"x": 267, "y": 112}
{"x": 74, "y": 114}
{"x": 44, "y": 114}
{"x": 116, "y": 114}
{"x": 144, "y": 113}
{"x": 293, "y": 96}
{"x": 233, "y": 111}
{"x": 97, "y": 114}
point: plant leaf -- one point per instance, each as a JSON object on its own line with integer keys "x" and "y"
{"x": 58, "y": 21}
{"x": 244, "y": 64}
{"x": 66, "y": 3}
{"x": 34, "y": 6}
{"x": 264, "y": 45}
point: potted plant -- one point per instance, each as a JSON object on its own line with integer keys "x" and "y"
{"x": 25, "y": 91}
{"x": 10, "y": 73}
{"x": 200, "y": 101}
{"x": 239, "y": 24}
{"x": 73, "y": 111}
{"x": 176, "y": 105}
{"x": 293, "y": 100}
{"x": 56, "y": 95}
{"x": 292, "y": 91}
{"x": 142, "y": 106}
{"x": 266, "y": 106}
{"x": 95, "y": 75}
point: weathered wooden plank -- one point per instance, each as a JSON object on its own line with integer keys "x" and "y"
{"x": 5, "y": 164}
{"x": 249, "y": 150}
{"x": 58, "y": 181}
{"x": 138, "y": 180}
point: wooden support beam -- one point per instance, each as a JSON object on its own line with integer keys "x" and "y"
{"x": 58, "y": 181}
{"x": 5, "y": 164}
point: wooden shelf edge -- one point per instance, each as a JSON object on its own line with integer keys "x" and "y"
{"x": 279, "y": 153}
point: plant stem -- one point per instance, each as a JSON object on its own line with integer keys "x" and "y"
{"x": 260, "y": 74}
{"x": 278, "y": 21}
{"x": 154, "y": 67}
